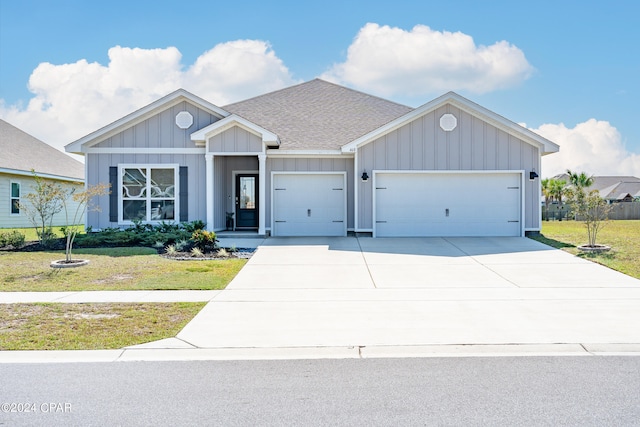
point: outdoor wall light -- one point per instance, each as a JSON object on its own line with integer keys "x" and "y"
{"x": 532, "y": 175}
{"x": 365, "y": 176}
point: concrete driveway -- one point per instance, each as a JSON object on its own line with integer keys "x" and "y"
{"x": 408, "y": 292}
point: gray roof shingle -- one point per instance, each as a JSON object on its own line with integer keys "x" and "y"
{"x": 23, "y": 152}
{"x": 318, "y": 115}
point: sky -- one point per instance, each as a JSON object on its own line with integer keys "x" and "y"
{"x": 568, "y": 70}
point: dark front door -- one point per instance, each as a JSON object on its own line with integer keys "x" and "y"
{"x": 247, "y": 201}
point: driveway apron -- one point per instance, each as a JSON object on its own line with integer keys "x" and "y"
{"x": 358, "y": 292}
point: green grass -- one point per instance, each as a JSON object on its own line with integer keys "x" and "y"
{"x": 30, "y": 234}
{"x": 90, "y": 326}
{"x": 622, "y": 236}
{"x": 112, "y": 269}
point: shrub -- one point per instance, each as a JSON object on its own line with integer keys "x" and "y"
{"x": 192, "y": 226}
{"x": 204, "y": 240}
{"x": 12, "y": 238}
{"x": 47, "y": 237}
{"x": 197, "y": 252}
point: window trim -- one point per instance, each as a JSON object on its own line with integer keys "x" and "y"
{"x": 149, "y": 166}
{"x": 11, "y": 198}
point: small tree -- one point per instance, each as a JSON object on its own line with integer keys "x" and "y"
{"x": 83, "y": 205}
{"x": 588, "y": 207}
{"x": 41, "y": 205}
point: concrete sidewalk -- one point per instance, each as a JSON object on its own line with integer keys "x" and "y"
{"x": 411, "y": 297}
{"x": 107, "y": 296}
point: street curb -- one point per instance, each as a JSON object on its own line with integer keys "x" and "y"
{"x": 308, "y": 353}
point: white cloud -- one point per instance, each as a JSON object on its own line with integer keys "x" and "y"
{"x": 593, "y": 146}
{"x": 72, "y": 100}
{"x": 391, "y": 61}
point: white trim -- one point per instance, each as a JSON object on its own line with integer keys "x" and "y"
{"x": 11, "y": 198}
{"x": 141, "y": 115}
{"x": 176, "y": 191}
{"x": 532, "y": 229}
{"x": 209, "y": 190}
{"x": 234, "y": 153}
{"x": 262, "y": 193}
{"x": 337, "y": 154}
{"x": 465, "y": 105}
{"x": 356, "y": 193}
{"x": 521, "y": 172}
{"x": 344, "y": 178}
{"x": 203, "y": 135}
{"x": 41, "y": 175}
{"x": 131, "y": 150}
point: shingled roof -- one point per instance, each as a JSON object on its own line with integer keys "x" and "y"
{"x": 22, "y": 152}
{"x": 318, "y": 115}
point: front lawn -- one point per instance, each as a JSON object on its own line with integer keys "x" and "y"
{"x": 90, "y": 326}
{"x": 622, "y": 236}
{"x": 134, "y": 268}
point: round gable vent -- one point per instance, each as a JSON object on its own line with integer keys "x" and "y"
{"x": 448, "y": 122}
{"x": 184, "y": 120}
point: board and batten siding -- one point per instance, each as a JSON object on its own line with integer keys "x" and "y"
{"x": 98, "y": 172}
{"x": 473, "y": 145}
{"x": 319, "y": 164}
{"x": 27, "y": 184}
{"x": 160, "y": 130}
{"x": 235, "y": 140}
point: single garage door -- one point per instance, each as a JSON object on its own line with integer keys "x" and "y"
{"x": 448, "y": 204}
{"x": 309, "y": 204}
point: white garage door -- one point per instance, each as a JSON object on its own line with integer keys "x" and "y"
{"x": 309, "y": 205}
{"x": 448, "y": 204}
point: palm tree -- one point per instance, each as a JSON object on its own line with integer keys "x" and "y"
{"x": 546, "y": 192}
{"x": 556, "y": 189}
{"x": 580, "y": 180}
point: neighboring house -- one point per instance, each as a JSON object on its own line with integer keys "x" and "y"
{"x": 20, "y": 154}
{"x": 614, "y": 189}
{"x": 318, "y": 159}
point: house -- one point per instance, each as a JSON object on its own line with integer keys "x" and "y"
{"x": 614, "y": 189}
{"x": 20, "y": 154}
{"x": 319, "y": 159}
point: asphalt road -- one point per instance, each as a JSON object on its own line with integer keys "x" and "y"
{"x": 432, "y": 391}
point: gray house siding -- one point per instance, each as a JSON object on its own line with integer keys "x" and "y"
{"x": 98, "y": 172}
{"x": 156, "y": 132}
{"x": 235, "y": 140}
{"x": 423, "y": 145}
{"x": 313, "y": 165}
{"x": 160, "y": 130}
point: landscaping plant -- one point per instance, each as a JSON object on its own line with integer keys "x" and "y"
{"x": 589, "y": 207}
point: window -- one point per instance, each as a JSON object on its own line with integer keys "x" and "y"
{"x": 148, "y": 193}
{"x": 15, "y": 198}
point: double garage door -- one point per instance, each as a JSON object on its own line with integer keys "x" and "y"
{"x": 447, "y": 204}
{"x": 309, "y": 204}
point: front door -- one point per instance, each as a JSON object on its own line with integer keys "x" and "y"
{"x": 247, "y": 201}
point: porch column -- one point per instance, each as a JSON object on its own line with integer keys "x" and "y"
{"x": 209, "y": 188}
{"x": 262, "y": 191}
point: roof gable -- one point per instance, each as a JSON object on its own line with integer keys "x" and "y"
{"x": 142, "y": 114}
{"x": 317, "y": 115}
{"x": 467, "y": 106}
{"x": 201, "y": 136}
{"x": 22, "y": 152}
